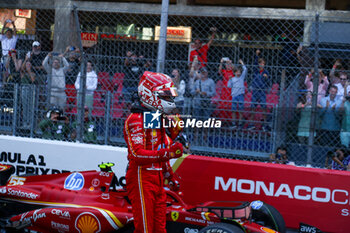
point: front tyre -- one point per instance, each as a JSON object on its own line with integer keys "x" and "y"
{"x": 222, "y": 228}
{"x": 266, "y": 215}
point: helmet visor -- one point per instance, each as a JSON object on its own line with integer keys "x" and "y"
{"x": 168, "y": 94}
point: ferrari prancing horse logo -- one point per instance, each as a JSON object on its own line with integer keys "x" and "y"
{"x": 174, "y": 215}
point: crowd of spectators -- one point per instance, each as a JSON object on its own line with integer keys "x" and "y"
{"x": 332, "y": 103}
{"x": 238, "y": 94}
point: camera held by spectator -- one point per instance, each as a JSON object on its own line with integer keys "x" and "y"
{"x": 281, "y": 156}
{"x": 340, "y": 159}
{"x": 56, "y": 114}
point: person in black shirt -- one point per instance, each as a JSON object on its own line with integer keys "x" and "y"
{"x": 72, "y": 73}
{"x": 36, "y": 57}
{"x": 133, "y": 69}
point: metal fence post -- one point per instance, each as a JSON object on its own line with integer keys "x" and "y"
{"x": 162, "y": 36}
{"x": 15, "y": 109}
{"x": 315, "y": 83}
{"x": 82, "y": 91}
{"x": 280, "y": 114}
{"x": 49, "y": 83}
{"x": 33, "y": 88}
{"x": 107, "y": 116}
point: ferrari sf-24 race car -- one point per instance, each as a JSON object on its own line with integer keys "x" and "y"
{"x": 89, "y": 202}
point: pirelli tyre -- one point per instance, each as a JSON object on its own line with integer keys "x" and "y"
{"x": 222, "y": 228}
{"x": 266, "y": 215}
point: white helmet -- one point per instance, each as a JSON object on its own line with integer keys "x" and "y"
{"x": 157, "y": 92}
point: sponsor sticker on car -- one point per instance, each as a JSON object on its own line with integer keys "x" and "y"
{"x": 61, "y": 213}
{"x": 16, "y": 180}
{"x": 256, "y": 205}
{"x": 87, "y": 222}
{"x": 74, "y": 181}
{"x": 60, "y": 226}
{"x": 174, "y": 215}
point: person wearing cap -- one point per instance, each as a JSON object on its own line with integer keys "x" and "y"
{"x": 36, "y": 58}
{"x": 55, "y": 126}
{"x": 8, "y": 39}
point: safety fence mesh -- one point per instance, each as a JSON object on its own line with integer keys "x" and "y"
{"x": 255, "y": 75}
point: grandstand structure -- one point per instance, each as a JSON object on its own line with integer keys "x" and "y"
{"x": 294, "y": 38}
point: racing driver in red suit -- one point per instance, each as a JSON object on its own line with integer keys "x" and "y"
{"x": 149, "y": 151}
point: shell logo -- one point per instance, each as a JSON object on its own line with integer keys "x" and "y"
{"x": 267, "y": 230}
{"x": 87, "y": 223}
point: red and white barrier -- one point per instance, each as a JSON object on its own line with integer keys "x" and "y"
{"x": 314, "y": 196}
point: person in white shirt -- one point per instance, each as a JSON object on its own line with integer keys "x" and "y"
{"x": 58, "y": 81}
{"x": 330, "y": 117}
{"x": 8, "y": 39}
{"x": 236, "y": 84}
{"x": 343, "y": 78}
{"x": 181, "y": 88}
{"x": 91, "y": 84}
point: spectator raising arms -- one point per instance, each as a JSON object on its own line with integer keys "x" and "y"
{"x": 201, "y": 51}
{"x": 36, "y": 58}
{"x": 322, "y": 84}
{"x": 193, "y": 75}
{"x": 91, "y": 84}
{"x": 222, "y": 100}
{"x": 260, "y": 84}
{"x": 334, "y": 74}
{"x": 181, "y": 88}
{"x": 74, "y": 57}
{"x": 226, "y": 69}
{"x": 8, "y": 39}
{"x": 328, "y": 135}
{"x": 58, "y": 80}
{"x": 236, "y": 84}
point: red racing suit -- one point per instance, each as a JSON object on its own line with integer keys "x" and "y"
{"x": 149, "y": 151}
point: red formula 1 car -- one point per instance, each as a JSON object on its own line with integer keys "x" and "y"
{"x": 88, "y": 202}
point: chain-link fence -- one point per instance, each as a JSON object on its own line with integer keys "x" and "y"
{"x": 257, "y": 75}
